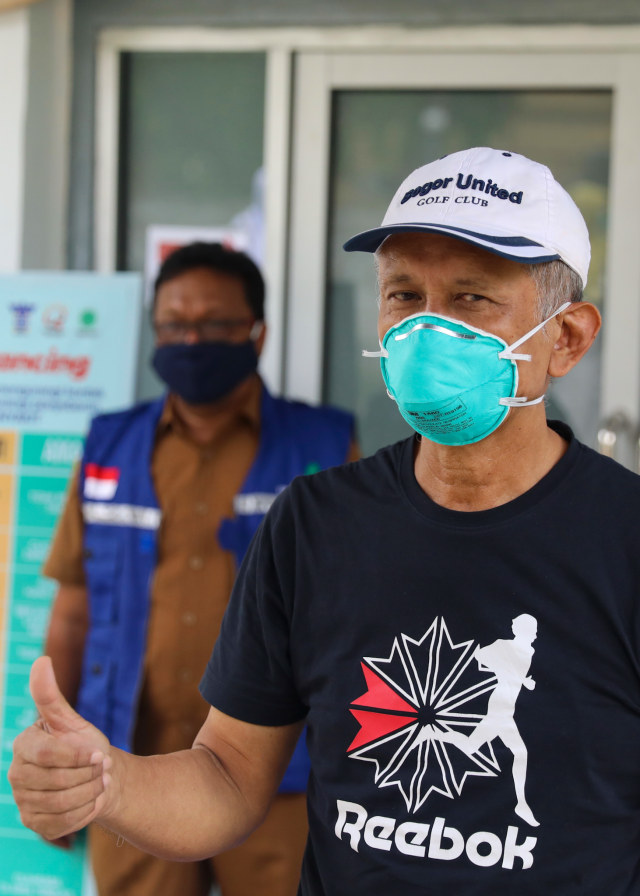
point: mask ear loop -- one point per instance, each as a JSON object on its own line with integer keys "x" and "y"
{"x": 381, "y": 353}
{"x": 520, "y": 401}
{"x": 509, "y": 354}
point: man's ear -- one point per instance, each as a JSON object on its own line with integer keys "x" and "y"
{"x": 579, "y": 326}
{"x": 259, "y": 340}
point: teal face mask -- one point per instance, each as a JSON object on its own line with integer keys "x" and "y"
{"x": 453, "y": 383}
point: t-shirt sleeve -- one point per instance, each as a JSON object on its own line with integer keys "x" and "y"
{"x": 354, "y": 452}
{"x": 250, "y": 675}
{"x": 64, "y": 562}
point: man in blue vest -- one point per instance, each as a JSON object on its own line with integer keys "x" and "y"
{"x": 163, "y": 507}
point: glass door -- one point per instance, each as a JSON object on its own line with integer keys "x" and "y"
{"x": 379, "y": 116}
{"x": 177, "y": 165}
{"x": 192, "y": 141}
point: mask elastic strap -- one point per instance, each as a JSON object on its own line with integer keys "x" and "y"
{"x": 509, "y": 354}
{"x": 519, "y": 401}
{"x": 382, "y": 353}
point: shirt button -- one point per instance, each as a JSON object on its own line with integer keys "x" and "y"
{"x": 189, "y": 618}
{"x": 201, "y": 508}
{"x": 185, "y": 676}
{"x": 196, "y": 562}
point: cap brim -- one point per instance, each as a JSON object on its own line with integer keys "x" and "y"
{"x": 515, "y": 248}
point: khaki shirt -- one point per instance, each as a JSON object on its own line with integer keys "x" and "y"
{"x": 195, "y": 486}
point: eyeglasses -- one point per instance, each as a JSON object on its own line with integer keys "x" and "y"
{"x": 206, "y": 330}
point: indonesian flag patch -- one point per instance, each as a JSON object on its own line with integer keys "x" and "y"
{"x": 100, "y": 483}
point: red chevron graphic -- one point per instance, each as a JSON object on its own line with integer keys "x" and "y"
{"x": 380, "y": 696}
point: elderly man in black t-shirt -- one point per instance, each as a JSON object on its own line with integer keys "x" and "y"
{"x": 369, "y": 590}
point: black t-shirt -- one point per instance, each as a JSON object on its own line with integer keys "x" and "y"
{"x": 471, "y": 681}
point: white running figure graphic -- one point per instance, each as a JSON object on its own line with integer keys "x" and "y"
{"x": 509, "y": 660}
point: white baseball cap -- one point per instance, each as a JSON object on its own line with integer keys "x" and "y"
{"x": 498, "y": 200}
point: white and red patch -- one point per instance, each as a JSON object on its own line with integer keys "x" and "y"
{"x": 100, "y": 483}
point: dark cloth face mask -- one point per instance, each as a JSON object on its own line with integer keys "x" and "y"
{"x": 204, "y": 372}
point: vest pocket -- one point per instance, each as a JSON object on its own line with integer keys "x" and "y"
{"x": 102, "y": 561}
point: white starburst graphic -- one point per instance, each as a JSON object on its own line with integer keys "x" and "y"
{"x": 423, "y": 696}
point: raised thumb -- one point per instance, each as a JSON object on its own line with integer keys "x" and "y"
{"x": 54, "y": 710}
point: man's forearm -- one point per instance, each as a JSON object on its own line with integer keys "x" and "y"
{"x": 187, "y": 805}
{"x": 206, "y": 814}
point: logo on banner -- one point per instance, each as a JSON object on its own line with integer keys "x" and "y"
{"x": 21, "y": 315}
{"x": 87, "y": 322}
{"x": 100, "y": 483}
{"x": 54, "y": 317}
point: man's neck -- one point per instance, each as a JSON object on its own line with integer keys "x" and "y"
{"x": 492, "y": 472}
{"x": 204, "y": 422}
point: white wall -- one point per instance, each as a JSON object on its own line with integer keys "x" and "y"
{"x": 14, "y": 46}
{"x": 46, "y": 156}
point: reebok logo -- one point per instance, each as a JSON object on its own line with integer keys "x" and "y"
{"x": 433, "y": 841}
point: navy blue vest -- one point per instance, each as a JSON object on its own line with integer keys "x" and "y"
{"x": 121, "y": 519}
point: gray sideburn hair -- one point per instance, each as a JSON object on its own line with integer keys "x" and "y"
{"x": 556, "y": 283}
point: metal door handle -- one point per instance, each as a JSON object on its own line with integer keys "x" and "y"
{"x": 618, "y": 434}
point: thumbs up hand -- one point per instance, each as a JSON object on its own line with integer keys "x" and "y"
{"x": 60, "y": 769}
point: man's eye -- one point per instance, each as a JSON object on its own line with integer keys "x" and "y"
{"x": 472, "y": 298}
{"x": 404, "y": 296}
